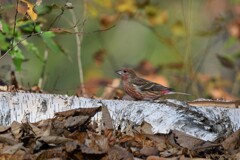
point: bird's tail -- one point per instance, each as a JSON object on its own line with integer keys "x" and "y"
{"x": 172, "y": 92}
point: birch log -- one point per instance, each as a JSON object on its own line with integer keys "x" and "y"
{"x": 206, "y": 123}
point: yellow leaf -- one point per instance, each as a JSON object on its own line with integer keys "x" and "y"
{"x": 178, "y": 29}
{"x": 128, "y": 6}
{"x": 156, "y": 16}
{"x": 151, "y": 11}
{"x": 30, "y": 10}
{"x": 93, "y": 11}
{"x": 104, "y": 3}
{"x": 22, "y": 8}
{"x": 161, "y": 18}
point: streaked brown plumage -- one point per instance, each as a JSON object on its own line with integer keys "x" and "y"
{"x": 142, "y": 89}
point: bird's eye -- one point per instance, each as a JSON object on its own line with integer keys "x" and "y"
{"x": 124, "y": 71}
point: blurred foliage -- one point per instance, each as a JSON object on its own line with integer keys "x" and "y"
{"x": 193, "y": 43}
{"x": 20, "y": 31}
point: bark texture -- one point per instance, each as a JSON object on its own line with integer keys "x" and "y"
{"x": 206, "y": 123}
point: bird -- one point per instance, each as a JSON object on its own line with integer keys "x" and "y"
{"x": 141, "y": 89}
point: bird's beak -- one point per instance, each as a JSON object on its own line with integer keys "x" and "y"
{"x": 119, "y": 72}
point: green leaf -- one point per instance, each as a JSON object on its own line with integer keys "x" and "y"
{"x": 5, "y": 27}
{"x": 47, "y": 38}
{"x": 17, "y": 53}
{"x": 43, "y": 10}
{"x": 48, "y": 34}
{"x": 33, "y": 49}
{"x": 26, "y": 26}
{"x": 18, "y": 63}
{"x": 3, "y": 44}
{"x": 178, "y": 29}
{"x": 17, "y": 57}
{"x": 230, "y": 42}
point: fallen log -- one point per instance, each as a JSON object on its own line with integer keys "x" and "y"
{"x": 206, "y": 123}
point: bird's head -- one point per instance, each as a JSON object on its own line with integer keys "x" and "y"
{"x": 126, "y": 73}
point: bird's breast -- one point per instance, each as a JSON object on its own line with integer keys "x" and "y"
{"x": 133, "y": 91}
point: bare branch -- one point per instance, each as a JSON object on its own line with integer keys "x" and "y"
{"x": 40, "y": 81}
{"x": 15, "y": 22}
{"x": 58, "y": 16}
{"x": 79, "y": 38}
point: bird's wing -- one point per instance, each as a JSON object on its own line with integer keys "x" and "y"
{"x": 145, "y": 85}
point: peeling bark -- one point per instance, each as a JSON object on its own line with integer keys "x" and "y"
{"x": 206, "y": 123}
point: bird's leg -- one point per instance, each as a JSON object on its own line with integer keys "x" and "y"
{"x": 159, "y": 100}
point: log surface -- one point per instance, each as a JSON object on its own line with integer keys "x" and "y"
{"x": 206, "y": 123}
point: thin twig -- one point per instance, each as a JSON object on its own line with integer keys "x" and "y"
{"x": 38, "y": 33}
{"x": 62, "y": 30}
{"x": 40, "y": 81}
{"x": 15, "y": 22}
{"x": 79, "y": 38}
{"x": 199, "y": 63}
{"x": 188, "y": 29}
{"x": 77, "y": 23}
{"x": 58, "y": 16}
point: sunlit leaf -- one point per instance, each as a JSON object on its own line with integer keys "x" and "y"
{"x": 92, "y": 10}
{"x": 156, "y": 16}
{"x": 5, "y": 27}
{"x": 33, "y": 49}
{"x": 48, "y": 40}
{"x": 3, "y": 44}
{"x": 17, "y": 57}
{"x": 226, "y": 61}
{"x": 178, "y": 29}
{"x": 30, "y": 10}
{"x": 151, "y": 11}
{"x": 128, "y": 6}
{"x": 104, "y": 3}
{"x": 18, "y": 63}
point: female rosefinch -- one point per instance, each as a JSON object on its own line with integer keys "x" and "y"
{"x": 142, "y": 89}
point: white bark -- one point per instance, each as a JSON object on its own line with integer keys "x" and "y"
{"x": 206, "y": 123}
